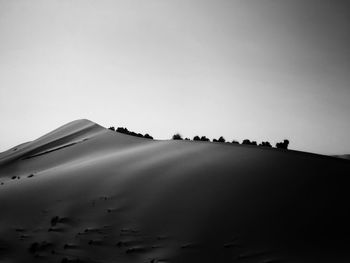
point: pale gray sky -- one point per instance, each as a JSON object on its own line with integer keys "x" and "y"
{"x": 256, "y": 69}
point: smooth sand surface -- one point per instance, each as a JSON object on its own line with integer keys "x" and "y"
{"x": 83, "y": 193}
{"x": 344, "y": 156}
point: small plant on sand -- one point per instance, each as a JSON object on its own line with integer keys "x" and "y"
{"x": 204, "y": 139}
{"x": 147, "y": 136}
{"x": 126, "y": 131}
{"x": 248, "y": 142}
{"x": 282, "y": 145}
{"x": 265, "y": 144}
{"x": 177, "y": 136}
{"x": 221, "y": 139}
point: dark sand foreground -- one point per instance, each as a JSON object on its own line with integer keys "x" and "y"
{"x": 87, "y": 194}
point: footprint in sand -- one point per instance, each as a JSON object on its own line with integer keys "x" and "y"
{"x": 136, "y": 250}
{"x": 20, "y": 229}
{"x": 76, "y": 260}
{"x": 38, "y": 247}
{"x": 154, "y": 260}
{"x": 59, "y": 220}
{"x": 54, "y": 220}
{"x": 70, "y": 246}
{"x": 190, "y": 246}
{"x": 259, "y": 254}
{"x": 24, "y": 236}
{"x": 128, "y": 243}
{"x": 112, "y": 210}
{"x": 95, "y": 242}
{"x": 129, "y": 230}
{"x": 231, "y": 245}
{"x": 55, "y": 229}
{"x": 271, "y": 261}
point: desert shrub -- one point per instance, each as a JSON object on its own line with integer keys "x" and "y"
{"x": 282, "y": 145}
{"x": 235, "y": 142}
{"x": 111, "y": 128}
{"x": 246, "y": 142}
{"x": 196, "y": 138}
{"x": 147, "y": 136}
{"x": 265, "y": 144}
{"x": 126, "y": 131}
{"x": 122, "y": 130}
{"x": 221, "y": 139}
{"x": 204, "y": 139}
{"x": 177, "y": 136}
{"x": 187, "y": 139}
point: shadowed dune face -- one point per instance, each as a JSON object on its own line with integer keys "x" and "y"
{"x": 344, "y": 156}
{"x": 90, "y": 194}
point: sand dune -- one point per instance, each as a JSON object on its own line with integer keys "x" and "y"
{"x": 83, "y": 193}
{"x": 68, "y": 134}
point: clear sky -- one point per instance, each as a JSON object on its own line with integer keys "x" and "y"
{"x": 256, "y": 69}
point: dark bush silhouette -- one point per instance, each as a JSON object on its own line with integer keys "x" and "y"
{"x": 235, "y": 142}
{"x": 126, "y": 131}
{"x": 221, "y": 139}
{"x": 147, "y": 136}
{"x": 265, "y": 144}
{"x": 122, "y": 130}
{"x": 282, "y": 145}
{"x": 177, "y": 136}
{"x": 187, "y": 139}
{"x": 111, "y": 128}
{"x": 246, "y": 142}
{"x": 204, "y": 139}
{"x": 196, "y": 138}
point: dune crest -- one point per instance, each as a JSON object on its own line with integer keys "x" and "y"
{"x": 68, "y": 134}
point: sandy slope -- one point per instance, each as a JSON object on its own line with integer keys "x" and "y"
{"x": 344, "y": 156}
{"x": 86, "y": 193}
